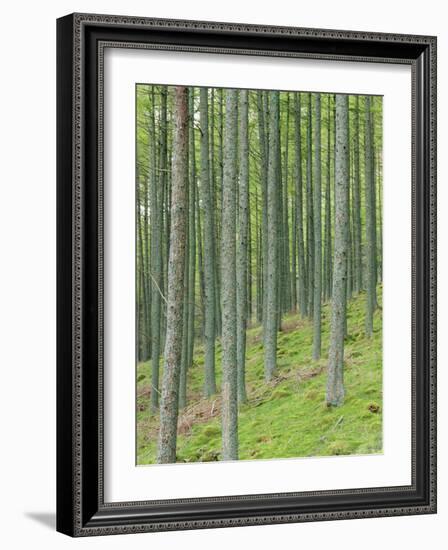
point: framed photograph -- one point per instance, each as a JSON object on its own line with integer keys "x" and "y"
{"x": 246, "y": 274}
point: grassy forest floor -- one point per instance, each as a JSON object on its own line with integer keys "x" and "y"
{"x": 287, "y": 417}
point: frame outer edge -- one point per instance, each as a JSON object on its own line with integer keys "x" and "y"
{"x": 65, "y": 496}
{"x": 220, "y": 26}
{"x": 433, "y": 273}
{"x": 70, "y": 513}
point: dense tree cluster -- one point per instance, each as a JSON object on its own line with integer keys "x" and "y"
{"x": 250, "y": 205}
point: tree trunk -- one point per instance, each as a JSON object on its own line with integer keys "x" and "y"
{"x": 374, "y": 214}
{"x": 369, "y": 191}
{"x": 309, "y": 210}
{"x": 215, "y": 227}
{"x": 143, "y": 276}
{"x": 349, "y": 227}
{"x": 192, "y": 234}
{"x": 228, "y": 281}
{"x": 243, "y": 219}
{"x": 209, "y": 251}
{"x": 184, "y": 354}
{"x": 190, "y": 259}
{"x": 173, "y": 343}
{"x": 380, "y": 214}
{"x": 335, "y": 382}
{"x": 317, "y": 218}
{"x": 328, "y": 247}
{"x": 294, "y": 208}
{"x": 249, "y": 278}
{"x": 200, "y": 260}
{"x": 264, "y": 196}
{"x": 164, "y": 209}
{"x": 270, "y": 337}
{"x": 156, "y": 261}
{"x": 146, "y": 258}
{"x": 281, "y": 227}
{"x": 286, "y": 242}
{"x": 357, "y": 232}
{"x": 259, "y": 263}
{"x": 302, "y": 290}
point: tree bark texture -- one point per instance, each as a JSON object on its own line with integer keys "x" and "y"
{"x": 335, "y": 382}
{"x": 173, "y": 343}
{"x": 228, "y": 282}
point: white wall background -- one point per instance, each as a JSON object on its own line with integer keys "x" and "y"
{"x": 27, "y": 275}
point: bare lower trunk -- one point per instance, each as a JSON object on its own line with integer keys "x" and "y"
{"x": 156, "y": 263}
{"x": 302, "y": 290}
{"x": 173, "y": 343}
{"x": 357, "y": 237}
{"x": 370, "y": 217}
{"x": 243, "y": 226}
{"x": 335, "y": 382}
{"x": 317, "y": 233}
{"x": 228, "y": 281}
{"x": 272, "y": 295}
{"x": 209, "y": 251}
{"x": 309, "y": 209}
{"x": 264, "y": 154}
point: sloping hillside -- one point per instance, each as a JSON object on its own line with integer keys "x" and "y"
{"x": 288, "y": 417}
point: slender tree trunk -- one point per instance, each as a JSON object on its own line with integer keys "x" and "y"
{"x": 328, "y": 247}
{"x": 259, "y": 266}
{"x": 281, "y": 227}
{"x": 349, "y": 226}
{"x": 334, "y": 158}
{"x": 214, "y": 230}
{"x": 185, "y": 330}
{"x": 294, "y": 207}
{"x": 374, "y": 214}
{"x": 317, "y": 218}
{"x": 380, "y": 214}
{"x": 192, "y": 234}
{"x": 286, "y": 242}
{"x": 139, "y": 305}
{"x": 200, "y": 260}
{"x": 302, "y": 290}
{"x": 335, "y": 382}
{"x": 243, "y": 223}
{"x": 357, "y": 232}
{"x": 270, "y": 338}
{"x": 218, "y": 209}
{"x": 164, "y": 205}
{"x": 249, "y": 278}
{"x": 309, "y": 210}
{"x": 370, "y": 250}
{"x": 228, "y": 281}
{"x": 146, "y": 258}
{"x": 166, "y": 452}
{"x": 221, "y": 158}
{"x": 190, "y": 259}
{"x": 264, "y": 197}
{"x": 209, "y": 251}
{"x": 143, "y": 287}
{"x": 156, "y": 261}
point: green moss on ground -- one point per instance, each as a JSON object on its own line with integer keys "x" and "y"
{"x": 287, "y": 417}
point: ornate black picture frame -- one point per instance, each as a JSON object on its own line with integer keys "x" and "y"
{"x": 81, "y": 509}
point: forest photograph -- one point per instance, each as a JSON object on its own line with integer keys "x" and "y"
{"x": 258, "y": 281}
